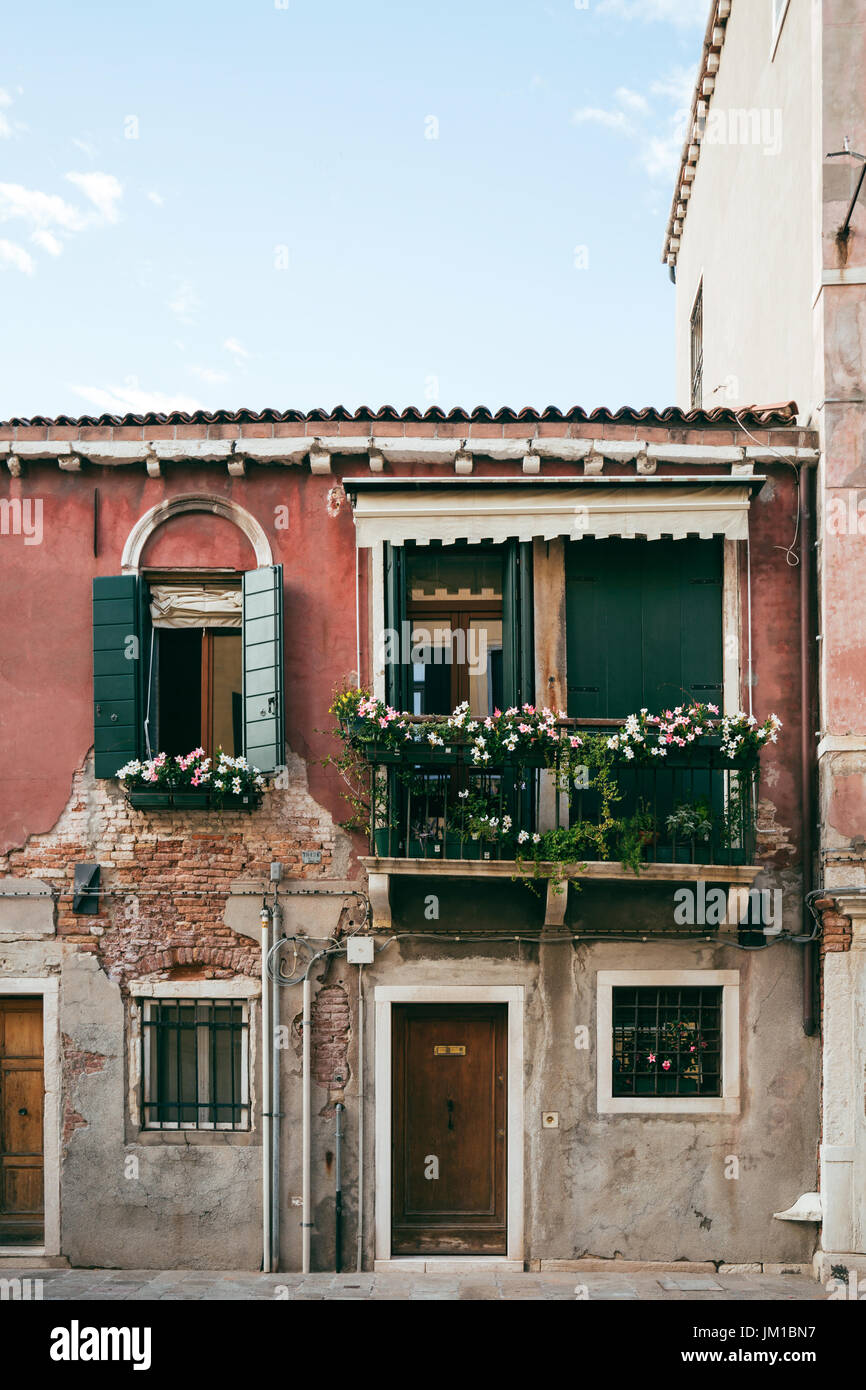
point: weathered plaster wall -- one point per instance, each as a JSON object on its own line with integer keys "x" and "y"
{"x": 746, "y": 231}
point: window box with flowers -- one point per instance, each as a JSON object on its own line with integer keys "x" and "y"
{"x": 191, "y": 782}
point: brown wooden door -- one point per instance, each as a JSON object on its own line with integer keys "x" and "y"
{"x": 22, "y": 1091}
{"x": 449, "y": 1075}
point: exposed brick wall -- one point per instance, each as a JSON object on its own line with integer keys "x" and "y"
{"x": 836, "y": 929}
{"x": 75, "y": 1063}
{"x": 174, "y": 873}
{"x": 331, "y": 1022}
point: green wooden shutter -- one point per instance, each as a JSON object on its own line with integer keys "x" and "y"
{"x": 644, "y": 625}
{"x": 264, "y": 705}
{"x": 397, "y": 666}
{"x": 518, "y": 643}
{"x": 121, "y": 631}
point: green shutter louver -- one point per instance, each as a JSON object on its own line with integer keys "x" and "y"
{"x": 518, "y": 643}
{"x": 398, "y": 683}
{"x": 644, "y": 625}
{"x": 263, "y": 677}
{"x": 121, "y": 630}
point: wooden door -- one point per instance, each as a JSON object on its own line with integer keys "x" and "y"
{"x": 449, "y": 1089}
{"x": 22, "y": 1091}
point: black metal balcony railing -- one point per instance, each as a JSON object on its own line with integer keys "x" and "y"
{"x": 689, "y": 808}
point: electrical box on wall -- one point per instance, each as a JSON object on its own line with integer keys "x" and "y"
{"x": 359, "y": 950}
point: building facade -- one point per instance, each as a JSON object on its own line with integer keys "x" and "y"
{"x": 767, "y": 239}
{"x": 534, "y": 984}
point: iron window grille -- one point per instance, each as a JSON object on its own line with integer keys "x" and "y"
{"x": 667, "y": 1041}
{"x": 697, "y": 350}
{"x": 195, "y": 1072}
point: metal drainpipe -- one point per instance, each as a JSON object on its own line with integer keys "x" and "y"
{"x": 807, "y": 752}
{"x": 360, "y": 1254}
{"x": 338, "y": 1177}
{"x": 277, "y": 915}
{"x": 306, "y": 1136}
{"x": 265, "y": 920}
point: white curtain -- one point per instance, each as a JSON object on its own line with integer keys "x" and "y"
{"x": 194, "y": 605}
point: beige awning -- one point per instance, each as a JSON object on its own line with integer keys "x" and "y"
{"x": 499, "y": 514}
{"x": 194, "y": 605}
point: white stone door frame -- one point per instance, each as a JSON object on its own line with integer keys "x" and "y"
{"x": 513, "y": 997}
{"x": 49, "y": 989}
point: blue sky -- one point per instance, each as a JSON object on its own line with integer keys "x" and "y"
{"x": 300, "y": 203}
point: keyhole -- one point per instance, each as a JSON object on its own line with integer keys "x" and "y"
{"x": 450, "y": 1105}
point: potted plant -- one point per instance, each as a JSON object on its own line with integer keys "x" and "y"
{"x": 234, "y": 783}
{"x": 692, "y": 823}
{"x": 147, "y": 783}
{"x": 190, "y": 778}
{"x": 637, "y": 834}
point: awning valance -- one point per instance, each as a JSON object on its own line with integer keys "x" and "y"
{"x": 194, "y": 605}
{"x": 486, "y": 513}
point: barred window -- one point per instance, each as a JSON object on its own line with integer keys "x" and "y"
{"x": 696, "y": 335}
{"x": 667, "y": 1041}
{"x": 195, "y": 1072}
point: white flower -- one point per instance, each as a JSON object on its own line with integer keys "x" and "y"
{"x": 523, "y": 837}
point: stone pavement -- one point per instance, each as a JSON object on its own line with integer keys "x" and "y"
{"x": 98, "y": 1285}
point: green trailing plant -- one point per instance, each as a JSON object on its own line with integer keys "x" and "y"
{"x": 693, "y": 822}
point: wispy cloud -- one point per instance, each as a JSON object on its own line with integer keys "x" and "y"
{"x": 129, "y": 399}
{"x": 184, "y": 302}
{"x": 236, "y": 349}
{"x": 8, "y": 128}
{"x": 654, "y": 123}
{"x": 209, "y": 375}
{"x": 156, "y": 198}
{"x": 40, "y": 209}
{"x": 685, "y": 14}
{"x": 48, "y": 241}
{"x": 11, "y": 254}
{"x": 85, "y": 147}
{"x": 595, "y": 115}
{"x": 633, "y": 100}
{"x": 103, "y": 190}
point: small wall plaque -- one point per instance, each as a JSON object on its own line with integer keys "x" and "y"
{"x": 311, "y": 856}
{"x": 449, "y": 1050}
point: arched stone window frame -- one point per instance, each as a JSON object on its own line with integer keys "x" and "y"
{"x": 163, "y": 511}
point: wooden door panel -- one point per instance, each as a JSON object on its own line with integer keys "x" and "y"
{"x": 449, "y": 1096}
{"x": 22, "y": 1093}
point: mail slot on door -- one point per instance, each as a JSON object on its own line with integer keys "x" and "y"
{"x": 449, "y": 1050}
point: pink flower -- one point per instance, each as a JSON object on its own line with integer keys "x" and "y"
{"x": 651, "y": 1057}
{"x": 666, "y": 1066}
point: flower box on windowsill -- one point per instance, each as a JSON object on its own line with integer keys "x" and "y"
{"x": 143, "y": 800}
{"x": 190, "y": 799}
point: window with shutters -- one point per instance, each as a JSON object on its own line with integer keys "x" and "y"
{"x": 462, "y": 617}
{"x": 188, "y": 660}
{"x": 194, "y": 695}
{"x": 644, "y": 625}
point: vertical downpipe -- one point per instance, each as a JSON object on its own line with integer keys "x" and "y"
{"x": 265, "y": 921}
{"x": 360, "y": 1254}
{"x": 305, "y": 1126}
{"x": 807, "y": 742}
{"x": 275, "y": 1097}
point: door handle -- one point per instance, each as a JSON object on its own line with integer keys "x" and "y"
{"x": 450, "y": 1105}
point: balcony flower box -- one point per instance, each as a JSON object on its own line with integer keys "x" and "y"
{"x": 184, "y": 798}
{"x": 145, "y": 801}
{"x": 190, "y": 781}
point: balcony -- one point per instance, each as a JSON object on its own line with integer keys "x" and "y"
{"x": 434, "y": 811}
